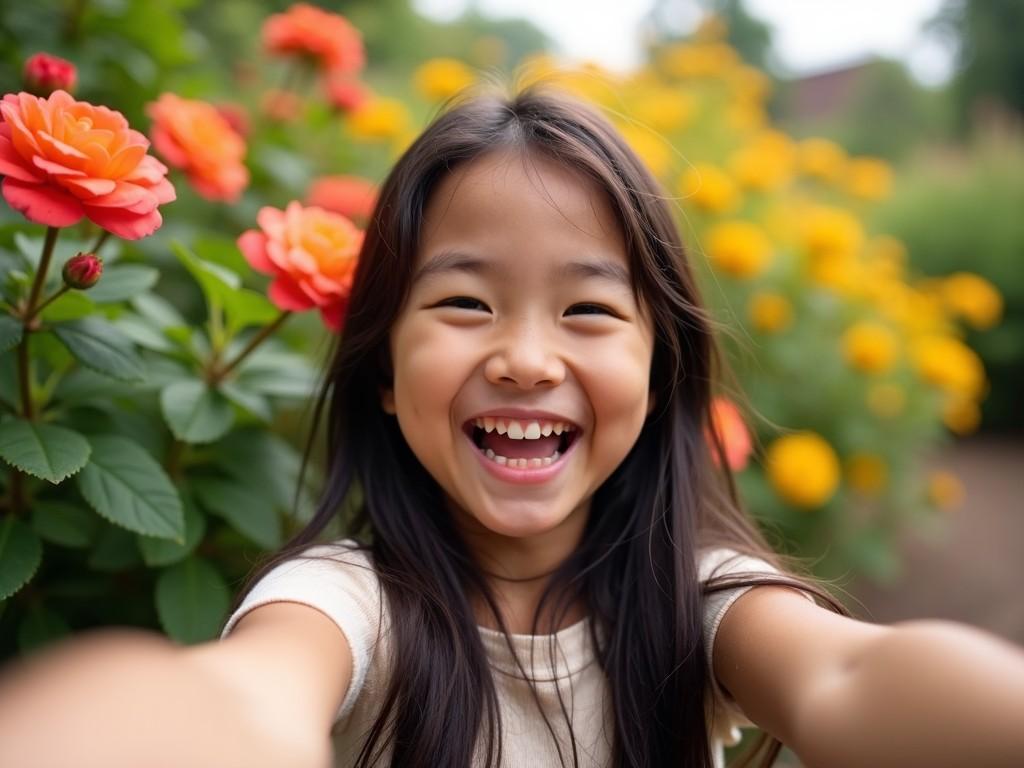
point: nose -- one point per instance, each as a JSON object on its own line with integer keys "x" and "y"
{"x": 526, "y": 358}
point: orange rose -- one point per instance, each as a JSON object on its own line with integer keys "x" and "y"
{"x": 311, "y": 253}
{"x": 309, "y": 31}
{"x": 729, "y": 426}
{"x": 194, "y": 136}
{"x": 64, "y": 159}
{"x": 350, "y": 196}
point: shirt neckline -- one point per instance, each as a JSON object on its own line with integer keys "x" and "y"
{"x": 573, "y": 652}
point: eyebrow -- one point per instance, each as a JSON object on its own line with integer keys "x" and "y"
{"x": 458, "y": 261}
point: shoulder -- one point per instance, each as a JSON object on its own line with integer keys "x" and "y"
{"x": 775, "y": 647}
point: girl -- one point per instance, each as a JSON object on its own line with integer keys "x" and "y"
{"x": 548, "y": 564}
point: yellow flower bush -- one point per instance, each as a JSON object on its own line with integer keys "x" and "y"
{"x": 973, "y": 298}
{"x": 866, "y": 473}
{"x": 709, "y": 188}
{"x": 440, "y": 78}
{"x": 870, "y": 347}
{"x": 770, "y": 312}
{"x": 803, "y": 469}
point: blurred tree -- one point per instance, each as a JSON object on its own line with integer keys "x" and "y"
{"x": 990, "y": 58}
{"x": 751, "y": 37}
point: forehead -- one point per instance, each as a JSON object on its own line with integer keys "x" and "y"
{"x": 524, "y": 208}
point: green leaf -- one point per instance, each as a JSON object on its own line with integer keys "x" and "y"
{"x": 195, "y": 412}
{"x": 68, "y": 525}
{"x": 143, "y": 333}
{"x": 115, "y": 551}
{"x": 43, "y": 450}
{"x": 11, "y": 330}
{"x": 124, "y": 484}
{"x": 100, "y": 346}
{"x": 122, "y": 282}
{"x": 21, "y": 552}
{"x": 264, "y": 461}
{"x": 160, "y": 552}
{"x": 158, "y": 310}
{"x": 40, "y": 627}
{"x": 278, "y": 373}
{"x": 244, "y": 307}
{"x": 192, "y": 600}
{"x": 248, "y": 511}
{"x": 216, "y": 282}
{"x": 69, "y": 306}
{"x": 251, "y": 402}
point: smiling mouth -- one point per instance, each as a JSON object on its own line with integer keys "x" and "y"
{"x": 521, "y": 453}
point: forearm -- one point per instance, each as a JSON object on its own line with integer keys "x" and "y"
{"x": 127, "y": 698}
{"x": 928, "y": 693}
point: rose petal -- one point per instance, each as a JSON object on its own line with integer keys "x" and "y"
{"x": 42, "y": 204}
{"x": 332, "y": 315}
{"x": 253, "y": 245}
{"x": 285, "y": 294}
{"x": 124, "y": 224}
{"x": 126, "y": 195}
{"x": 12, "y": 165}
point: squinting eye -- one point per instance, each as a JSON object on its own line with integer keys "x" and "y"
{"x": 452, "y": 302}
{"x": 593, "y": 309}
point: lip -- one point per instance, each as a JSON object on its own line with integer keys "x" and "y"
{"x": 528, "y": 475}
{"x": 524, "y": 414}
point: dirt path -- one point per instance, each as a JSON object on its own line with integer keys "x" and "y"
{"x": 974, "y": 571}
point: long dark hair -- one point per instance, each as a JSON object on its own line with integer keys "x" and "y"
{"x": 636, "y": 566}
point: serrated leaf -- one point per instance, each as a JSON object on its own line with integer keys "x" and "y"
{"x": 43, "y": 450}
{"x": 68, "y": 525}
{"x": 21, "y": 552}
{"x": 195, "y": 412}
{"x": 160, "y": 552}
{"x": 215, "y": 281}
{"x": 143, "y": 333}
{"x": 124, "y": 484}
{"x": 263, "y": 460}
{"x": 245, "y": 307}
{"x": 11, "y": 330}
{"x": 248, "y": 511}
{"x": 100, "y": 346}
{"x": 192, "y": 599}
{"x": 122, "y": 282}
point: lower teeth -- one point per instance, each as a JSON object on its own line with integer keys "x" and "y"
{"x": 522, "y": 463}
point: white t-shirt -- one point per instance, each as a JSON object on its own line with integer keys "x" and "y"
{"x": 346, "y": 589}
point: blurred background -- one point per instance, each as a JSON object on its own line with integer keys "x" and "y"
{"x": 850, "y": 179}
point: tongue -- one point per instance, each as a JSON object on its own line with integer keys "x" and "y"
{"x": 521, "y": 449}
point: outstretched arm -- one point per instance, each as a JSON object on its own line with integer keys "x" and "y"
{"x": 841, "y": 692}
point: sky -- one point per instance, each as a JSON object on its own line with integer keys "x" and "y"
{"x": 809, "y": 35}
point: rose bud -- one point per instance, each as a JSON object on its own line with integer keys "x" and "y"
{"x": 45, "y": 74}
{"x": 82, "y": 271}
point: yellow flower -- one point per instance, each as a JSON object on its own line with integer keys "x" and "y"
{"x": 766, "y": 163}
{"x": 866, "y": 473}
{"x": 886, "y": 400}
{"x": 745, "y": 117}
{"x": 438, "y": 79}
{"x": 961, "y": 414}
{"x": 769, "y": 312}
{"x": 821, "y": 159}
{"x": 739, "y": 248}
{"x": 709, "y": 188}
{"x": 650, "y": 147}
{"x": 950, "y": 364}
{"x": 701, "y": 60}
{"x": 831, "y": 231}
{"x": 803, "y": 469}
{"x": 749, "y": 85}
{"x": 379, "y": 118}
{"x": 663, "y": 109}
{"x": 886, "y": 258}
{"x": 945, "y": 490}
{"x": 973, "y": 298}
{"x": 870, "y": 347}
{"x": 868, "y": 178}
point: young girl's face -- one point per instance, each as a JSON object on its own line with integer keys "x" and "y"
{"x": 522, "y": 308}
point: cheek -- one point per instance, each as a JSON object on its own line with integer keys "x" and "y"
{"x": 617, "y": 386}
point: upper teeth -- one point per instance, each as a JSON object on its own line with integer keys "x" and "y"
{"x": 522, "y": 430}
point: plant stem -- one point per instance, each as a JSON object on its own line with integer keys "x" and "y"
{"x": 217, "y": 375}
{"x": 44, "y": 265}
{"x": 172, "y": 462}
{"x": 99, "y": 242}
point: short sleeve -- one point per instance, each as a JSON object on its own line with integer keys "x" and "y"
{"x": 728, "y": 717}
{"x": 337, "y": 580}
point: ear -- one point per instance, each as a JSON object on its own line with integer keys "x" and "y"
{"x": 387, "y": 400}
